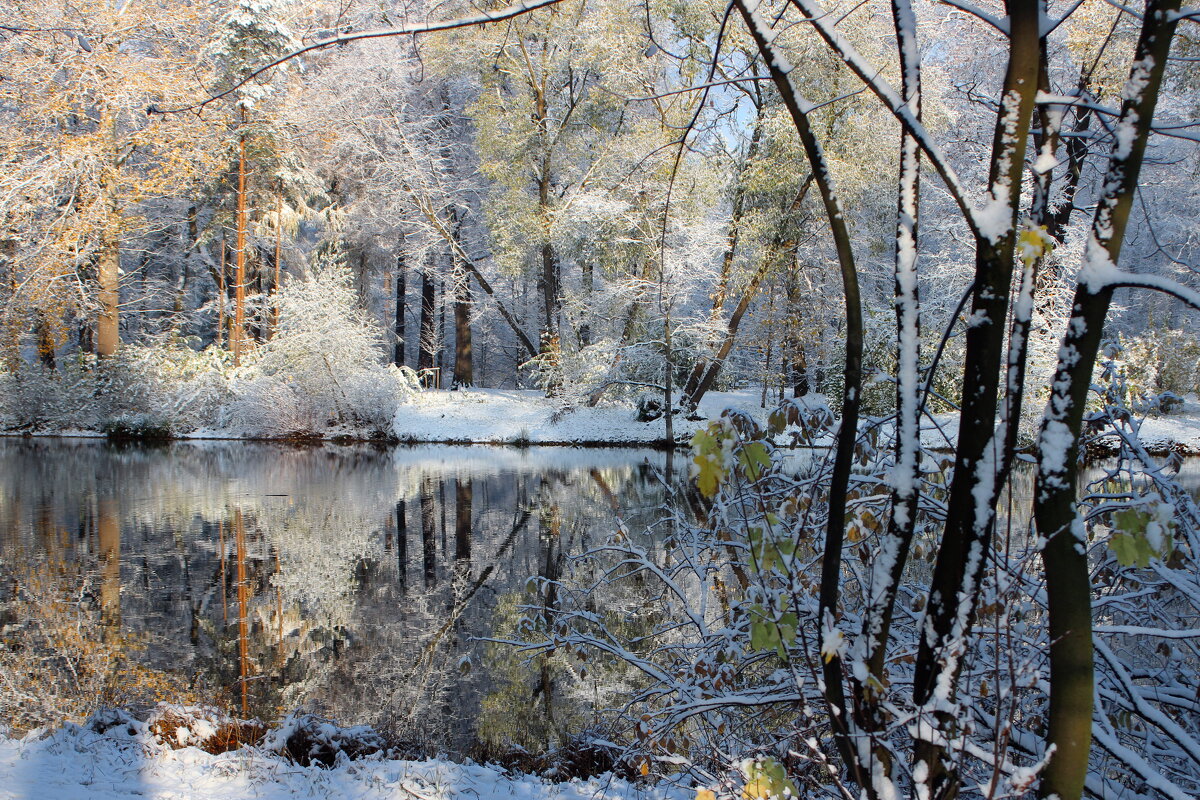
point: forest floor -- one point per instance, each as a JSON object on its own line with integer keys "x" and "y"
{"x": 74, "y": 763}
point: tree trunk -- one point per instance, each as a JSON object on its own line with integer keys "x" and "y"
{"x": 462, "y": 519}
{"x": 428, "y": 335}
{"x": 45, "y": 340}
{"x": 108, "y": 528}
{"x": 402, "y": 544}
{"x": 1069, "y": 720}
{"x": 108, "y": 257}
{"x": 222, "y": 293}
{"x": 440, "y": 345}
{"x": 243, "y": 597}
{"x": 278, "y": 262}
{"x": 401, "y": 301}
{"x": 428, "y": 533}
{"x": 589, "y": 287}
{"x": 238, "y": 334}
{"x": 463, "y": 371}
{"x": 962, "y": 555}
{"x": 549, "y": 286}
{"x": 901, "y": 524}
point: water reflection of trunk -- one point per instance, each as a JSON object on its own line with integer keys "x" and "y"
{"x": 462, "y": 525}
{"x": 108, "y": 527}
{"x": 442, "y": 510}
{"x": 519, "y": 522}
{"x": 402, "y": 544}
{"x": 551, "y": 568}
{"x": 221, "y": 576}
{"x": 243, "y": 597}
{"x": 279, "y": 613}
{"x": 429, "y": 533}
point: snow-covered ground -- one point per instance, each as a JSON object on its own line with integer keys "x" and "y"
{"x": 74, "y": 763}
{"x": 528, "y": 417}
{"x": 506, "y": 416}
{"x": 1177, "y": 432}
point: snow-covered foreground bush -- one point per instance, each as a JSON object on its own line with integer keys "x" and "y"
{"x": 714, "y": 626}
{"x": 323, "y": 367}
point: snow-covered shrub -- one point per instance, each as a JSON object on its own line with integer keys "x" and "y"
{"x": 310, "y": 740}
{"x": 324, "y": 365}
{"x": 375, "y": 395}
{"x": 39, "y": 398}
{"x": 209, "y": 729}
{"x": 272, "y": 405}
{"x": 1157, "y": 362}
{"x": 160, "y": 385}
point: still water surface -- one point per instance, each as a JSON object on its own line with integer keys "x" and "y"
{"x": 351, "y": 581}
{"x": 354, "y": 582}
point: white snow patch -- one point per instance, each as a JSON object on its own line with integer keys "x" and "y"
{"x": 74, "y": 763}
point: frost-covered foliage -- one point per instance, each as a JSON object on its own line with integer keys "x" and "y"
{"x": 251, "y": 34}
{"x": 163, "y": 385}
{"x": 323, "y": 367}
{"x": 1156, "y": 367}
{"x": 725, "y": 657}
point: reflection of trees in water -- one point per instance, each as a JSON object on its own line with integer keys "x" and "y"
{"x": 290, "y": 571}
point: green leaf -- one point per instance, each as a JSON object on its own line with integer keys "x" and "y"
{"x": 1131, "y": 521}
{"x": 754, "y": 459}
{"x": 787, "y": 626}
{"x": 1131, "y": 550}
{"x": 764, "y": 635}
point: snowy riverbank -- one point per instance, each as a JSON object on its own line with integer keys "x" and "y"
{"x": 1177, "y": 432}
{"x": 74, "y": 763}
{"x": 527, "y": 417}
{"x": 524, "y": 416}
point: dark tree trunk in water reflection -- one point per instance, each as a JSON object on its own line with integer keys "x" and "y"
{"x": 462, "y": 523}
{"x": 550, "y": 570}
{"x": 402, "y": 545}
{"x": 429, "y": 533}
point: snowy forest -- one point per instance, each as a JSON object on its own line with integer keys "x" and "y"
{"x": 906, "y": 291}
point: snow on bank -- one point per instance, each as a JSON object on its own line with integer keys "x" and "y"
{"x": 1177, "y": 432}
{"x": 507, "y": 416}
{"x": 74, "y": 763}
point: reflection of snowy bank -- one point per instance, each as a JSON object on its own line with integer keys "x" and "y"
{"x": 469, "y": 461}
{"x": 77, "y": 764}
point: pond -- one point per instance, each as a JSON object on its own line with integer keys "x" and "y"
{"x": 360, "y": 583}
{"x": 354, "y": 582}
